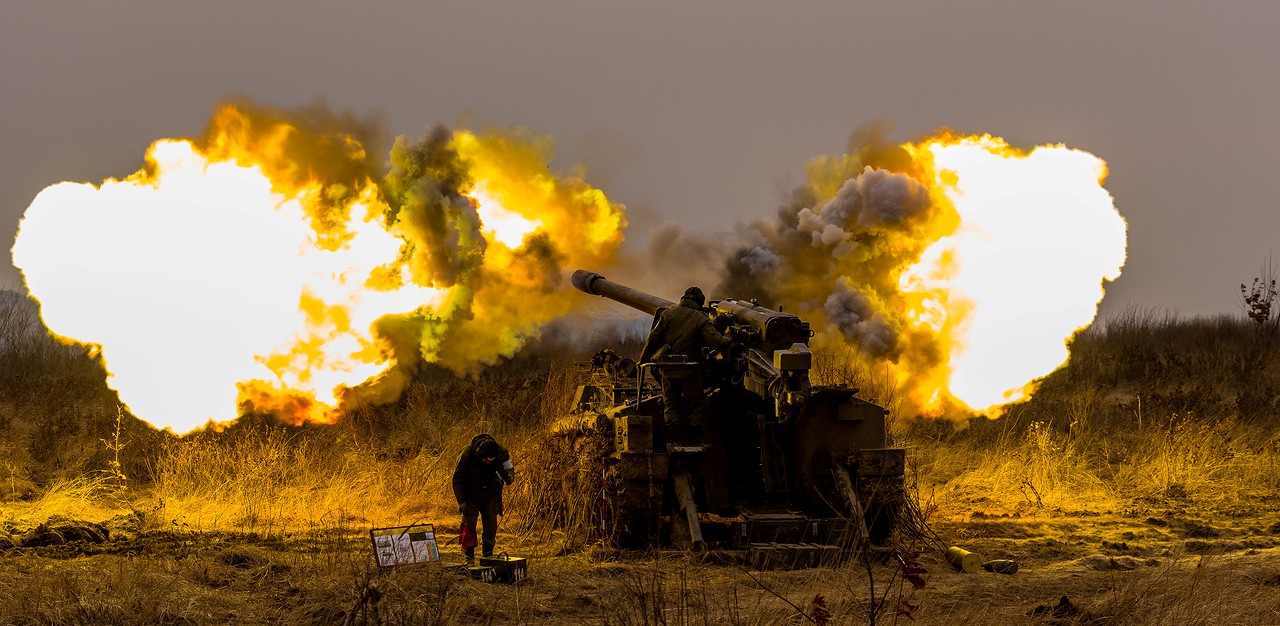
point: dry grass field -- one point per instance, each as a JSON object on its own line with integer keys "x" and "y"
{"x": 1139, "y": 486}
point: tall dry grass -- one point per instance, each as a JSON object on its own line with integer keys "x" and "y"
{"x": 55, "y": 407}
{"x": 1208, "y": 460}
{"x": 1151, "y": 408}
{"x": 267, "y": 480}
{"x": 1207, "y": 590}
{"x": 379, "y": 466}
{"x": 1022, "y": 469}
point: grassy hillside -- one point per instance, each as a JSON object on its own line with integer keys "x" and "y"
{"x": 1149, "y": 406}
{"x": 1156, "y": 443}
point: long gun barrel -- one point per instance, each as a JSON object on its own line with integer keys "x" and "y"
{"x": 597, "y": 285}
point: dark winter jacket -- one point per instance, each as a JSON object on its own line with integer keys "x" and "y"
{"x": 682, "y": 329}
{"x": 478, "y": 482}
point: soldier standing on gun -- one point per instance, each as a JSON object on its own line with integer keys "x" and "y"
{"x": 683, "y": 330}
{"x": 483, "y": 468}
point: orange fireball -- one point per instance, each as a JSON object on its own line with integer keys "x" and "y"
{"x": 272, "y": 266}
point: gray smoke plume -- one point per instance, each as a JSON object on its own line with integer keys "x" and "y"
{"x": 854, "y": 316}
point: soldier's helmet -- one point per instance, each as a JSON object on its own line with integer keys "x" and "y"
{"x": 695, "y": 294}
{"x": 487, "y": 449}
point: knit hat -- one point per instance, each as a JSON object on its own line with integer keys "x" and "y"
{"x": 487, "y": 449}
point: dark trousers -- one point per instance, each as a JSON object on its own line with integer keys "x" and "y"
{"x": 683, "y": 407}
{"x": 487, "y": 512}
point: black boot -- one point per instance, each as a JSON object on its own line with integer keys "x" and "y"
{"x": 470, "y": 554}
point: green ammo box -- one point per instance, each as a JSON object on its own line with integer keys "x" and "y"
{"x": 507, "y": 569}
{"x": 483, "y": 574}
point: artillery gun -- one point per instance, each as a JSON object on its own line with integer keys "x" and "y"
{"x": 789, "y": 474}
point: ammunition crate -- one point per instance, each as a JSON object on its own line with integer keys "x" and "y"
{"x": 764, "y": 556}
{"x": 803, "y": 555}
{"x": 779, "y": 530}
{"x": 483, "y": 574}
{"x": 507, "y": 569}
{"x": 739, "y": 536}
{"x": 793, "y": 555}
{"x": 880, "y": 462}
{"x": 832, "y": 531}
{"x": 781, "y": 555}
{"x": 633, "y": 433}
{"x": 828, "y": 555}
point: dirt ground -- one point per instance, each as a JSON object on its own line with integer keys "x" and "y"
{"x": 1155, "y": 563}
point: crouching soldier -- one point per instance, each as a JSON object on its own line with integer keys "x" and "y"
{"x": 484, "y": 467}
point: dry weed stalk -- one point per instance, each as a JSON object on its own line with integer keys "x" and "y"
{"x": 564, "y": 491}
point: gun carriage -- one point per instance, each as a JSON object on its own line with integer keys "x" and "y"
{"x": 789, "y": 473}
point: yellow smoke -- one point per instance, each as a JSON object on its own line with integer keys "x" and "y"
{"x": 272, "y": 265}
{"x": 965, "y": 263}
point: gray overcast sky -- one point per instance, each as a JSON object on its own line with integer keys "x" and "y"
{"x": 701, "y": 112}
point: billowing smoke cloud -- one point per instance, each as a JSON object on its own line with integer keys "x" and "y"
{"x": 298, "y": 147}
{"x": 284, "y": 266}
{"x": 424, "y": 199}
{"x": 835, "y": 253}
{"x": 911, "y": 253}
{"x": 283, "y": 257}
{"x": 856, "y": 318}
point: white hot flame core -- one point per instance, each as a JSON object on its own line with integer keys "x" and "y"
{"x": 1038, "y": 236}
{"x": 499, "y": 223}
{"x": 189, "y": 282}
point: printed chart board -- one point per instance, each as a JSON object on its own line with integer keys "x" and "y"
{"x": 400, "y": 545}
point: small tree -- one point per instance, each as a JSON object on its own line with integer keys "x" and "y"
{"x": 1259, "y": 299}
